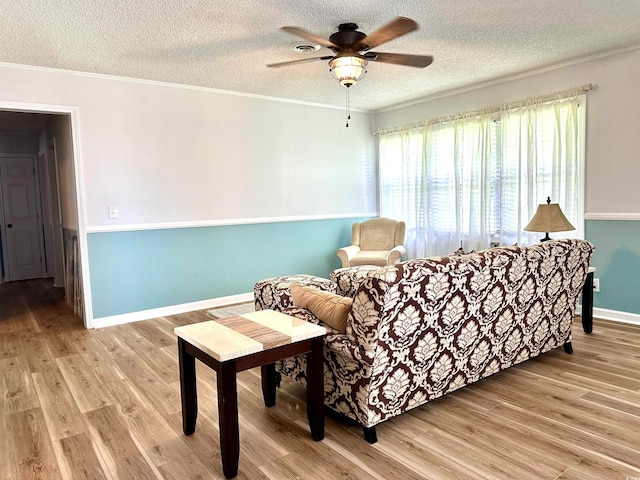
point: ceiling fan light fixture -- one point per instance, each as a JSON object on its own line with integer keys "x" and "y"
{"x": 348, "y": 69}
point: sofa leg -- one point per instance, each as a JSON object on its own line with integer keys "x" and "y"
{"x": 370, "y": 434}
{"x": 567, "y": 347}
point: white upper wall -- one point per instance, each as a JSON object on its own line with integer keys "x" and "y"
{"x": 613, "y": 121}
{"x": 173, "y": 154}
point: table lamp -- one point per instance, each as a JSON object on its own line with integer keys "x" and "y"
{"x": 549, "y": 218}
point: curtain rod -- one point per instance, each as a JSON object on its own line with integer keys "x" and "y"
{"x": 572, "y": 92}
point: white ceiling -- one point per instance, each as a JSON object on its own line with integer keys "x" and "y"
{"x": 225, "y": 44}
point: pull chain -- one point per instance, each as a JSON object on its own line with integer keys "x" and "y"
{"x": 348, "y": 108}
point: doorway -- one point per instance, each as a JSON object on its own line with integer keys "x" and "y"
{"x": 56, "y": 191}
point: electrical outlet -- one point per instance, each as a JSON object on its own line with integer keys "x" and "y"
{"x": 113, "y": 211}
{"x": 596, "y": 284}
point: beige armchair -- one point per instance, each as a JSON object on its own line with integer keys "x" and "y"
{"x": 378, "y": 241}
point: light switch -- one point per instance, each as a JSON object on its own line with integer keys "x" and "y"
{"x": 113, "y": 211}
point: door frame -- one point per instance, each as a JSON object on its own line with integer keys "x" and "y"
{"x": 3, "y": 227}
{"x": 58, "y": 239}
{"x": 74, "y": 123}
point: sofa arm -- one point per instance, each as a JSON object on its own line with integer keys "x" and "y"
{"x": 345, "y": 254}
{"x": 275, "y": 293}
{"x": 346, "y": 352}
{"x": 348, "y": 279}
{"x": 395, "y": 254}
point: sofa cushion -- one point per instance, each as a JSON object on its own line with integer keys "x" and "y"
{"x": 332, "y": 309}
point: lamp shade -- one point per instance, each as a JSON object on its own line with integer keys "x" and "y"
{"x": 549, "y": 218}
{"x": 348, "y": 69}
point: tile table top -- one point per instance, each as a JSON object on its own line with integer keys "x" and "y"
{"x": 228, "y": 338}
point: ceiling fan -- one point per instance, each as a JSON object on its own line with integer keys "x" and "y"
{"x": 353, "y": 49}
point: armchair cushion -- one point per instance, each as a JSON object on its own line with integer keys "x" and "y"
{"x": 370, "y": 257}
{"x": 332, "y": 309}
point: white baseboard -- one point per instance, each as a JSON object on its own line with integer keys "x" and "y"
{"x": 616, "y": 316}
{"x": 613, "y": 315}
{"x": 171, "y": 310}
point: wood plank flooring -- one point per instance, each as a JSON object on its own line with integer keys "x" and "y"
{"x": 105, "y": 404}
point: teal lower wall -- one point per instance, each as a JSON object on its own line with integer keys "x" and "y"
{"x": 617, "y": 259}
{"x": 141, "y": 270}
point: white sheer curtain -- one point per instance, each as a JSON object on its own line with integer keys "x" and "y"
{"x": 543, "y": 156}
{"x": 402, "y": 184}
{"x": 470, "y": 181}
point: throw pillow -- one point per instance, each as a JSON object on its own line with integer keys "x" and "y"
{"x": 332, "y": 309}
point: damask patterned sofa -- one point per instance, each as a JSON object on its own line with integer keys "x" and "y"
{"x": 423, "y": 328}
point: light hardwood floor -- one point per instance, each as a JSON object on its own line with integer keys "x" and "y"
{"x": 105, "y": 404}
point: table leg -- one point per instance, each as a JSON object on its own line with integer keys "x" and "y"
{"x": 228, "y": 418}
{"x": 188, "y": 392}
{"x": 269, "y": 381}
{"x": 315, "y": 389}
{"x": 587, "y": 304}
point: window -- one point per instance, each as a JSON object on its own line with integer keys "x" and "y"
{"x": 471, "y": 181}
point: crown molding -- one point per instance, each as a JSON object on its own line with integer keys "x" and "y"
{"x": 103, "y": 76}
{"x": 508, "y": 78}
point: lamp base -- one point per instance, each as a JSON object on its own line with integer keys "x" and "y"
{"x": 546, "y": 238}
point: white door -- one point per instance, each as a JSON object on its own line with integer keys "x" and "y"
{"x": 22, "y": 246}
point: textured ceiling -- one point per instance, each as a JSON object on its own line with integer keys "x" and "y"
{"x": 225, "y": 44}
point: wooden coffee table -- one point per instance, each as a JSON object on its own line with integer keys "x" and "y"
{"x": 231, "y": 345}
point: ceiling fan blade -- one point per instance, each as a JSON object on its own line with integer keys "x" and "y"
{"x": 418, "y": 61}
{"x": 293, "y": 62}
{"x": 394, "y": 29}
{"x": 301, "y": 32}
